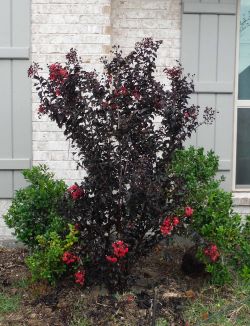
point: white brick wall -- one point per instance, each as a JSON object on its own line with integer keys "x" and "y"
{"x": 133, "y": 20}
{"x": 57, "y": 26}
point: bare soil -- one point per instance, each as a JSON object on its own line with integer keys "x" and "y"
{"x": 161, "y": 290}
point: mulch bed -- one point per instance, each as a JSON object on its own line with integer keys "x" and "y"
{"x": 161, "y": 290}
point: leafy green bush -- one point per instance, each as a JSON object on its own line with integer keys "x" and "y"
{"x": 47, "y": 262}
{"x": 223, "y": 237}
{"x": 34, "y": 210}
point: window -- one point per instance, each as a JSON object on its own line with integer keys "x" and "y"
{"x": 243, "y": 98}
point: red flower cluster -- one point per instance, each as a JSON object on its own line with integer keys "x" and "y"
{"x": 111, "y": 259}
{"x": 69, "y": 258}
{"x": 75, "y": 191}
{"x": 166, "y": 226}
{"x": 57, "y": 73}
{"x": 212, "y": 252}
{"x": 176, "y": 221}
{"x": 170, "y": 222}
{"x": 80, "y": 277}
{"x": 120, "y": 248}
{"x": 189, "y": 211}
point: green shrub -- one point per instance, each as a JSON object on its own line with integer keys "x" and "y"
{"x": 213, "y": 221}
{"x": 46, "y": 263}
{"x": 34, "y": 210}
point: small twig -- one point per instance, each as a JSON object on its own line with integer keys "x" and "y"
{"x": 100, "y": 304}
{"x": 154, "y": 307}
{"x": 235, "y": 312}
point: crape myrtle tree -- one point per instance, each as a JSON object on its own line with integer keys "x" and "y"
{"x": 127, "y": 202}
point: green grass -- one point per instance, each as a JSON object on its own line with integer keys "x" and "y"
{"x": 23, "y": 283}
{"x": 79, "y": 321}
{"x": 228, "y": 306}
{"x": 8, "y": 303}
{"x": 162, "y": 322}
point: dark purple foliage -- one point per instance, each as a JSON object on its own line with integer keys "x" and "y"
{"x": 109, "y": 119}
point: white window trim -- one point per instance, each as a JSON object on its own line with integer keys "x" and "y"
{"x": 237, "y": 104}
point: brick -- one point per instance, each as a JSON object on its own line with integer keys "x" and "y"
{"x": 107, "y": 30}
{"x": 106, "y": 48}
{"x": 106, "y": 10}
{"x": 127, "y": 3}
{"x": 41, "y": 156}
{"x": 67, "y": 9}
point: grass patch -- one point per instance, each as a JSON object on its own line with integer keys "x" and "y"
{"x": 81, "y": 321}
{"x": 227, "y": 306}
{"x": 23, "y": 283}
{"x": 78, "y": 318}
{"x": 8, "y": 303}
{"x": 162, "y": 322}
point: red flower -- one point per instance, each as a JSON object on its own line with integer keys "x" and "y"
{"x": 212, "y": 252}
{"x": 189, "y": 211}
{"x": 120, "y": 248}
{"x": 57, "y": 73}
{"x": 80, "y": 277}
{"x": 166, "y": 226}
{"x": 58, "y": 93}
{"x": 69, "y": 258}
{"x": 75, "y": 191}
{"x": 176, "y": 221}
{"x": 111, "y": 259}
{"x": 63, "y": 73}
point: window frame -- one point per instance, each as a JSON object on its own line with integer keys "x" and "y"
{"x": 242, "y": 104}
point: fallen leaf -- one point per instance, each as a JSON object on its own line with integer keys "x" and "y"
{"x": 158, "y": 248}
{"x": 205, "y": 316}
{"x": 190, "y": 294}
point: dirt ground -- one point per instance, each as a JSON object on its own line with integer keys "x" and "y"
{"x": 161, "y": 291}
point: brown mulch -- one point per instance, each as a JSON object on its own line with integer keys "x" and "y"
{"x": 160, "y": 290}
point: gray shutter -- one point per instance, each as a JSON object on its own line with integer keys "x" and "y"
{"x": 208, "y": 51}
{"x": 15, "y": 94}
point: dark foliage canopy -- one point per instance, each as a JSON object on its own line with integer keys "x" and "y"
{"x": 125, "y": 127}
